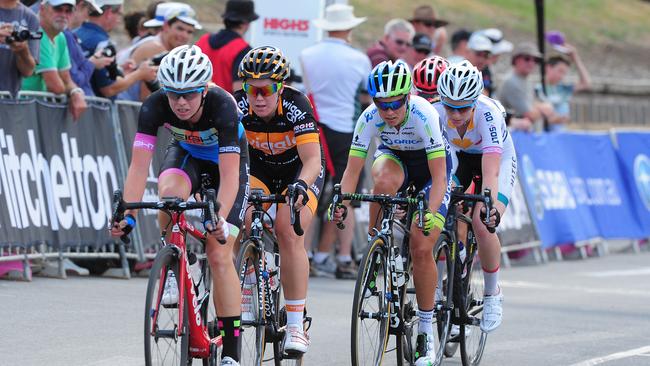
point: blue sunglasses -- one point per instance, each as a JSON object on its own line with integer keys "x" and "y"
{"x": 187, "y": 94}
{"x": 459, "y": 108}
{"x": 394, "y": 105}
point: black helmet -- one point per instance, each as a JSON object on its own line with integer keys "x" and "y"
{"x": 264, "y": 62}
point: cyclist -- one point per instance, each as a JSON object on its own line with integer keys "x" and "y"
{"x": 425, "y": 77}
{"x": 207, "y": 138}
{"x": 285, "y": 150}
{"x": 477, "y": 131}
{"x": 412, "y": 150}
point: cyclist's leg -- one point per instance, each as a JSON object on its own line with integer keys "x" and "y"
{"x": 178, "y": 174}
{"x": 388, "y": 175}
{"x": 227, "y": 290}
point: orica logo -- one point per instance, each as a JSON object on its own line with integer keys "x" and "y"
{"x": 642, "y": 178}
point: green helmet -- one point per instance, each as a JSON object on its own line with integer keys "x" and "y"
{"x": 389, "y": 79}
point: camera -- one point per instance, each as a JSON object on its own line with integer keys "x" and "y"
{"x": 113, "y": 70}
{"x": 21, "y": 34}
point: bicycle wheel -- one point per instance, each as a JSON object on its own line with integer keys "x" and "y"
{"x": 162, "y": 344}
{"x": 371, "y": 308}
{"x": 444, "y": 298}
{"x": 409, "y": 315}
{"x": 472, "y": 339}
{"x": 252, "y": 334}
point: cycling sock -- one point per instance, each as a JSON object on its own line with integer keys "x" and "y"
{"x": 229, "y": 328}
{"x": 321, "y": 257}
{"x": 295, "y": 309}
{"x": 425, "y": 324}
{"x": 344, "y": 258}
{"x": 491, "y": 277}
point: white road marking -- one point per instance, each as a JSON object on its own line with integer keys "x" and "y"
{"x": 619, "y": 273}
{"x": 600, "y": 291}
{"x": 614, "y": 356}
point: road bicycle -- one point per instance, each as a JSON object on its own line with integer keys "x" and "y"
{"x": 264, "y": 317}
{"x": 384, "y": 296}
{"x": 177, "y": 332}
{"x": 462, "y": 277}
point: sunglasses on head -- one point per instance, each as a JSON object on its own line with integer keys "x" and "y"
{"x": 266, "y": 91}
{"x": 188, "y": 95}
{"x": 394, "y": 105}
{"x": 459, "y": 108}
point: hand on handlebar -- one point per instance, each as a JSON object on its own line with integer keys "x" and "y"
{"x": 337, "y": 214}
{"x": 123, "y": 227}
{"x": 427, "y": 223}
{"x": 495, "y": 219}
{"x": 220, "y": 232}
{"x": 300, "y": 189}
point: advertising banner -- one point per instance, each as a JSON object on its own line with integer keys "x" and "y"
{"x": 517, "y": 226}
{"x": 634, "y": 156}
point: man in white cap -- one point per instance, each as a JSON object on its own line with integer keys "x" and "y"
{"x": 94, "y": 37}
{"x": 335, "y": 75}
{"x": 500, "y": 46}
{"x": 52, "y": 73}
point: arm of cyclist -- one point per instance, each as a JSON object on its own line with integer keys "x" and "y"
{"x": 349, "y": 183}
{"x": 491, "y": 163}
{"x": 310, "y": 156}
{"x": 228, "y": 187}
{"x": 136, "y": 180}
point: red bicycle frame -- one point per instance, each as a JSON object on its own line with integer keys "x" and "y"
{"x": 200, "y": 340}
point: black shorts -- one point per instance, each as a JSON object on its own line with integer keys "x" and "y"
{"x": 179, "y": 160}
{"x": 469, "y": 166}
{"x": 273, "y": 179}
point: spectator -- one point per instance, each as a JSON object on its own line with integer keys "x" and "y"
{"x": 459, "y": 49}
{"x": 499, "y": 47}
{"x": 81, "y": 68}
{"x": 108, "y": 82}
{"x": 227, "y": 48}
{"x": 178, "y": 29}
{"x": 558, "y": 92}
{"x": 134, "y": 25}
{"x": 395, "y": 43}
{"x": 156, "y": 18}
{"x": 516, "y": 94}
{"x": 52, "y": 73}
{"x": 335, "y": 75}
{"x": 420, "y": 50}
{"x": 17, "y": 59}
{"x": 479, "y": 54}
{"x": 424, "y": 21}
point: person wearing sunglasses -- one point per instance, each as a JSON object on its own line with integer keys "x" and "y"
{"x": 206, "y": 139}
{"x": 425, "y": 77}
{"x": 412, "y": 150}
{"x": 477, "y": 132}
{"x": 395, "y": 44}
{"x": 285, "y": 150}
{"x": 425, "y": 21}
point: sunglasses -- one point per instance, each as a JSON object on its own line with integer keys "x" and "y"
{"x": 401, "y": 42}
{"x": 423, "y": 51}
{"x": 394, "y": 105}
{"x": 188, "y": 95}
{"x": 459, "y": 108}
{"x": 529, "y": 59}
{"x": 427, "y": 23}
{"x": 266, "y": 91}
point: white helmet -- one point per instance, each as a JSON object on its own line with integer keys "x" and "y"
{"x": 185, "y": 67}
{"x": 462, "y": 81}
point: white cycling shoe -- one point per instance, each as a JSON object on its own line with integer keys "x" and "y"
{"x": 170, "y": 293}
{"x": 425, "y": 354}
{"x": 492, "y": 312}
{"x": 296, "y": 341}
{"x": 228, "y": 361}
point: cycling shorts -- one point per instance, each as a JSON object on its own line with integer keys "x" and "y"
{"x": 468, "y": 166}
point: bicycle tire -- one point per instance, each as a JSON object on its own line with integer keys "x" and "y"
{"x": 252, "y": 331}
{"x": 443, "y": 249}
{"x": 373, "y": 268}
{"x": 166, "y": 259}
{"x": 472, "y": 339}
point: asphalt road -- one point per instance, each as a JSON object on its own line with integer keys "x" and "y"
{"x": 578, "y": 313}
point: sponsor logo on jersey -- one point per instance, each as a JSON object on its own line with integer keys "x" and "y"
{"x": 292, "y": 112}
{"x": 206, "y": 138}
{"x": 271, "y": 143}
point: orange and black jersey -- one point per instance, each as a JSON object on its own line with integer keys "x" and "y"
{"x": 275, "y": 142}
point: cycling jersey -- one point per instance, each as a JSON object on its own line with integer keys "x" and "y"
{"x": 419, "y": 133}
{"x": 213, "y": 134}
{"x": 275, "y": 142}
{"x": 486, "y": 133}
